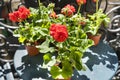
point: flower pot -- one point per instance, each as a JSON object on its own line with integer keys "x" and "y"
{"x": 95, "y": 38}
{"x": 32, "y": 50}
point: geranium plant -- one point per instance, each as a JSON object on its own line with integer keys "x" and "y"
{"x": 33, "y": 23}
{"x": 70, "y": 40}
{"x": 96, "y": 20}
{"x": 64, "y": 35}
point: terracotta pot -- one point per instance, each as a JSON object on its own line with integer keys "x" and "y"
{"x": 32, "y": 50}
{"x": 95, "y": 38}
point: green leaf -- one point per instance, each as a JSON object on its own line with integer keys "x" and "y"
{"x": 67, "y": 69}
{"x": 106, "y": 21}
{"x": 49, "y": 63}
{"x": 79, "y": 65}
{"x": 47, "y": 58}
{"x": 43, "y": 32}
{"x": 55, "y": 71}
{"x": 83, "y": 36}
{"x": 44, "y": 47}
{"x": 77, "y": 56}
{"x": 65, "y": 72}
{"x": 21, "y": 39}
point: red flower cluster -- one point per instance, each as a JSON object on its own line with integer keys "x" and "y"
{"x": 79, "y": 2}
{"x": 59, "y": 32}
{"x": 19, "y": 15}
{"x": 68, "y": 10}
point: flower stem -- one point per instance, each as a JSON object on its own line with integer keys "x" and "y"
{"x": 39, "y": 2}
{"x": 97, "y": 5}
{"x": 39, "y": 5}
{"x": 79, "y": 9}
{"x": 77, "y": 35}
{"x": 59, "y": 48}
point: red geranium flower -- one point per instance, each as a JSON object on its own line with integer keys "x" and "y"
{"x": 21, "y": 14}
{"x": 59, "y": 32}
{"x": 79, "y": 2}
{"x": 24, "y": 12}
{"x": 68, "y": 10}
{"x": 14, "y": 16}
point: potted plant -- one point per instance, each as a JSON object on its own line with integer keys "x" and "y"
{"x": 96, "y": 20}
{"x": 64, "y": 35}
{"x": 33, "y": 25}
{"x": 70, "y": 40}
